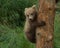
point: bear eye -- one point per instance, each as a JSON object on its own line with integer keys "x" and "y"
{"x": 32, "y": 14}
{"x": 28, "y": 15}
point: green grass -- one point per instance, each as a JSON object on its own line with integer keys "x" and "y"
{"x": 57, "y": 31}
{"x": 13, "y": 38}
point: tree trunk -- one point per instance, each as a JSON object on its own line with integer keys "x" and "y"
{"x": 44, "y": 34}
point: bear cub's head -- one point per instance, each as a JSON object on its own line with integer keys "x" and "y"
{"x": 31, "y": 13}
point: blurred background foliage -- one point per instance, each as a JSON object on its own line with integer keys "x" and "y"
{"x": 12, "y": 11}
{"x": 12, "y": 22}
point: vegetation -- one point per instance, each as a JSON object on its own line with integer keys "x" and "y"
{"x": 12, "y": 23}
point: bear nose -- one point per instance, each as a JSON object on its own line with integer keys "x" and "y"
{"x": 30, "y": 19}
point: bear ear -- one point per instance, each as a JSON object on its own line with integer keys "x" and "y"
{"x": 26, "y": 9}
{"x": 34, "y": 6}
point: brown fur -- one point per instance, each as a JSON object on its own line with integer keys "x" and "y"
{"x": 30, "y": 27}
{"x": 31, "y": 23}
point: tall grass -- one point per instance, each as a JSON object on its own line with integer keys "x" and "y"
{"x": 13, "y": 38}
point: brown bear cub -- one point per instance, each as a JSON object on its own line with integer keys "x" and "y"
{"x": 31, "y": 23}
{"x": 30, "y": 27}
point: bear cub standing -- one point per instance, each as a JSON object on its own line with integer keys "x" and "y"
{"x": 31, "y": 23}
